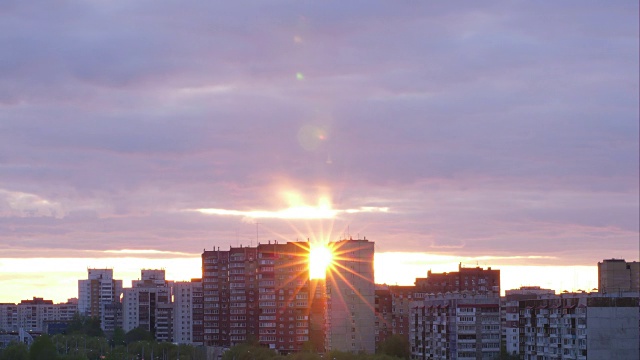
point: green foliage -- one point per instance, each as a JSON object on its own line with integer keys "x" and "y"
{"x": 250, "y": 352}
{"x": 396, "y": 346}
{"x": 15, "y": 351}
{"x": 118, "y": 337}
{"x": 138, "y": 334}
{"x": 83, "y": 325}
{"x": 43, "y": 349}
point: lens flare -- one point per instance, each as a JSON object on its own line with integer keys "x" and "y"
{"x": 320, "y": 259}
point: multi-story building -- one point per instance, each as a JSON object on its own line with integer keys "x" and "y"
{"x": 187, "y": 312}
{"x": 575, "y": 326}
{"x": 147, "y": 304}
{"x": 259, "y": 293}
{"x": 456, "y": 326}
{"x": 8, "y": 317}
{"x": 317, "y": 312}
{"x": 384, "y": 313}
{"x": 616, "y": 275}
{"x": 393, "y": 306}
{"x": 32, "y": 315}
{"x": 350, "y": 288}
{"x": 475, "y": 279}
{"x": 97, "y": 291}
{"x": 510, "y": 315}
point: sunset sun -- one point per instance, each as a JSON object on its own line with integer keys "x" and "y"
{"x": 320, "y": 258}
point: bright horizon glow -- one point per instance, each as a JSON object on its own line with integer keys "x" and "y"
{"x": 320, "y": 259}
{"x": 57, "y": 278}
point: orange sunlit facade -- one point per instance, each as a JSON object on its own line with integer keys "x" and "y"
{"x": 259, "y": 293}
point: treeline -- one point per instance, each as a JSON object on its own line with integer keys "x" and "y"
{"x": 84, "y": 340}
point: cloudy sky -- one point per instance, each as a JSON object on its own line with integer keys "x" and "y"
{"x": 500, "y": 134}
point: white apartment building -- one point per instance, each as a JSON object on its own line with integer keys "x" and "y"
{"x": 145, "y": 305}
{"x": 350, "y": 288}
{"x": 456, "y": 326}
{"x": 98, "y": 290}
{"x": 187, "y": 305}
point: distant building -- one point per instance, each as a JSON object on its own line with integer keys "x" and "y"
{"x": 8, "y": 317}
{"x": 456, "y": 326}
{"x": 147, "y": 304}
{"x": 618, "y": 275}
{"x": 100, "y": 289}
{"x": 393, "y": 304}
{"x": 350, "y": 298}
{"x": 476, "y": 280}
{"x": 33, "y": 315}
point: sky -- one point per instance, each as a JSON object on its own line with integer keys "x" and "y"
{"x": 139, "y": 133}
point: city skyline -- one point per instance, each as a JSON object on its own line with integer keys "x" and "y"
{"x": 499, "y": 134}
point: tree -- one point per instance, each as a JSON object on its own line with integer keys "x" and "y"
{"x": 138, "y": 334}
{"x": 83, "y": 325}
{"x": 395, "y": 345}
{"x": 15, "y": 351}
{"x": 43, "y": 349}
{"x": 118, "y": 337}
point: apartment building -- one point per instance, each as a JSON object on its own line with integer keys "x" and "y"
{"x": 147, "y": 304}
{"x": 476, "y": 280}
{"x": 34, "y": 314}
{"x": 456, "y": 326}
{"x": 616, "y": 275}
{"x": 8, "y": 317}
{"x": 350, "y": 291}
{"x": 260, "y": 293}
{"x": 97, "y": 291}
{"x": 575, "y": 326}
{"x": 187, "y": 312}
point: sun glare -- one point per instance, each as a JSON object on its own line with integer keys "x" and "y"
{"x": 320, "y": 258}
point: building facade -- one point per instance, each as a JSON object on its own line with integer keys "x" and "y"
{"x": 97, "y": 291}
{"x": 147, "y": 304}
{"x": 187, "y": 312}
{"x": 476, "y": 280}
{"x": 615, "y": 275}
{"x": 350, "y": 291}
{"x": 257, "y": 293}
{"x": 456, "y": 326}
{"x": 574, "y": 326}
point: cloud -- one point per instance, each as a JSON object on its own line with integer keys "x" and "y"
{"x": 502, "y": 129}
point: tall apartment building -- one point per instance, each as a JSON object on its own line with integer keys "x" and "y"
{"x": 350, "y": 295}
{"x": 259, "y": 293}
{"x": 188, "y": 312}
{"x": 393, "y": 305}
{"x": 147, "y": 304}
{"x": 98, "y": 290}
{"x": 575, "y": 326}
{"x": 456, "y": 326}
{"x": 616, "y": 275}
{"x": 475, "y": 279}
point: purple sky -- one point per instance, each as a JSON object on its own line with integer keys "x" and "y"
{"x": 503, "y": 129}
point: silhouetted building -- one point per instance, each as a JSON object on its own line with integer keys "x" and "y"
{"x": 351, "y": 297}
{"x": 465, "y": 279}
{"x": 618, "y": 275}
